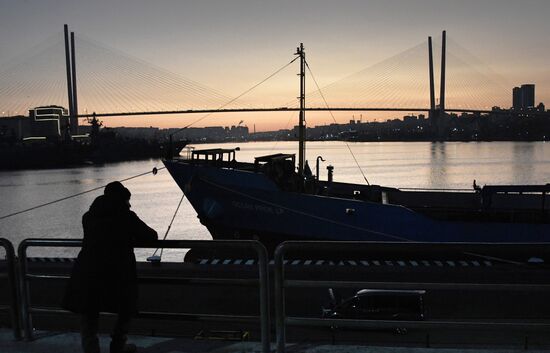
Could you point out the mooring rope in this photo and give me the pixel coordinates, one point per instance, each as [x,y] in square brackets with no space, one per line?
[168,229]
[237,97]
[153,171]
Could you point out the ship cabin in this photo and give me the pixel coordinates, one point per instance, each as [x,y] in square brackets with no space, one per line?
[214,154]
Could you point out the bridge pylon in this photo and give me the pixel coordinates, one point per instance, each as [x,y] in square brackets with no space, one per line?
[437,114]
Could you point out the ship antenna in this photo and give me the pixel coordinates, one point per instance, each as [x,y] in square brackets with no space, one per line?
[302,97]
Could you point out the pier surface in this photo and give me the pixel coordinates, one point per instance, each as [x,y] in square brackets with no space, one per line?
[198,316]
[48,341]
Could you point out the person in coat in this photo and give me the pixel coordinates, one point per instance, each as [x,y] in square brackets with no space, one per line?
[104,276]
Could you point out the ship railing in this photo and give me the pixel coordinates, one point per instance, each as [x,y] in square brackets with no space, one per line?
[449,190]
[507,253]
[262,281]
[10,276]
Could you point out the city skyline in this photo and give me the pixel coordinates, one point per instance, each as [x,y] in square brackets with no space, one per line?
[229,46]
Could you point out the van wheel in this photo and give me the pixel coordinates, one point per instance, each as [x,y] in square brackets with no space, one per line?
[401,331]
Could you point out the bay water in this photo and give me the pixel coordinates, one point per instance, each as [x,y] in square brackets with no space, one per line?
[155,197]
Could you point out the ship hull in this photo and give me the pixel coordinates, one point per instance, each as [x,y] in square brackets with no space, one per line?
[240,204]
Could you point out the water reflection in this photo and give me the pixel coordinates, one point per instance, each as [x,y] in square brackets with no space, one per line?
[155,198]
[438,165]
[523,162]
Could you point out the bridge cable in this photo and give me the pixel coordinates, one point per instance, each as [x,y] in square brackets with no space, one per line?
[333,118]
[239,96]
[154,171]
[138,71]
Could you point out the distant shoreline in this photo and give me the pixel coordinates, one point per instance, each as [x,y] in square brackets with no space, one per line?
[44,165]
[386,140]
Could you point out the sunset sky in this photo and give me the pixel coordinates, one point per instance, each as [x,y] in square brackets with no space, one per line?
[233,44]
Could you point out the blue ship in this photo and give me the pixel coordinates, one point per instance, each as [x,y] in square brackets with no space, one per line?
[273,200]
[269,201]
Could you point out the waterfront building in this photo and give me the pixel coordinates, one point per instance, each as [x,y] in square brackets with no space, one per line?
[516,98]
[527,96]
[51,122]
[523,98]
[14,128]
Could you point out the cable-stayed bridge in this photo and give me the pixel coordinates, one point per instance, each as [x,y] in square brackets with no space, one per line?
[111,83]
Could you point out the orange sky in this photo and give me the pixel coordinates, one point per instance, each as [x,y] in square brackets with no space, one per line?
[374,52]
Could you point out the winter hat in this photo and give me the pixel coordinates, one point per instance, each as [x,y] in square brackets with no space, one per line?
[116,190]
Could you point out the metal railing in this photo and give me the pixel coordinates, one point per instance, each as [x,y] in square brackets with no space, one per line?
[262,281]
[11,277]
[494,252]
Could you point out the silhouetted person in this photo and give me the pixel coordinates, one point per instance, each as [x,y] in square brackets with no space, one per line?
[104,275]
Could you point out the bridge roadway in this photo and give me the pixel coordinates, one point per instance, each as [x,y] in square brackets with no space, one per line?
[277,109]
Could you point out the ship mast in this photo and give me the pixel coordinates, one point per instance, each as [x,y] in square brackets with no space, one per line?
[302,97]
[69,79]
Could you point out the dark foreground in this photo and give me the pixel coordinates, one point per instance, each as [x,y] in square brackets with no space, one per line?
[196,331]
[62,342]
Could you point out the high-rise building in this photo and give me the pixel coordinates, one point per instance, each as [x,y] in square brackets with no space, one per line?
[528,96]
[523,97]
[516,98]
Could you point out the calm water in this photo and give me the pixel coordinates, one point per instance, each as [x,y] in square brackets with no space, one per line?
[155,198]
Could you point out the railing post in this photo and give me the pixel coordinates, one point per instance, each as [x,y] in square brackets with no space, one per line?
[26,319]
[475,250]
[13,287]
[280,298]
[263,275]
